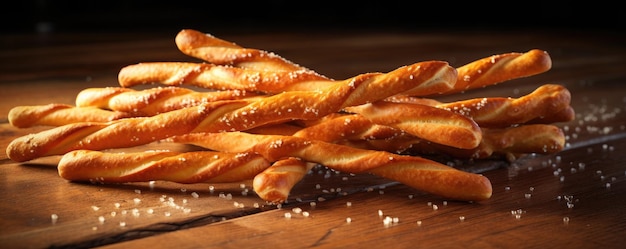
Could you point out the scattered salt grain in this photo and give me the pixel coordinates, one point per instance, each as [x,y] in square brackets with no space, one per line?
[54,218]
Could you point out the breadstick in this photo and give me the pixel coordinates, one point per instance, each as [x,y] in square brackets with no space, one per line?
[275,183]
[217,51]
[502,67]
[187,167]
[338,127]
[430,123]
[152,101]
[497,142]
[217,77]
[418,120]
[223,78]
[235,115]
[417,172]
[99,97]
[59,114]
[549,102]
[480,73]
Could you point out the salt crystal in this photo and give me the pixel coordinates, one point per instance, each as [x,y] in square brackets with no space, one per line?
[54,218]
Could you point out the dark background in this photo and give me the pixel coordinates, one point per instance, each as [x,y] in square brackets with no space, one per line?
[47,16]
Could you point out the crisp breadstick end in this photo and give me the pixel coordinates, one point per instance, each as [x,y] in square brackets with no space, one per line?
[445,182]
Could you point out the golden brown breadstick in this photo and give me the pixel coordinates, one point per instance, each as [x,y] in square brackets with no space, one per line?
[547,104]
[217,51]
[275,183]
[417,172]
[383,120]
[235,115]
[152,101]
[217,77]
[502,67]
[187,167]
[502,112]
[59,114]
[497,142]
[480,73]
[426,122]
[420,120]
[223,78]
[336,127]
[99,97]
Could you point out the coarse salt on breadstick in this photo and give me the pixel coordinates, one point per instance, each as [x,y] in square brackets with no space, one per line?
[509,143]
[218,77]
[230,115]
[430,123]
[501,67]
[217,51]
[479,73]
[59,114]
[417,172]
[271,82]
[549,102]
[502,112]
[180,167]
[152,101]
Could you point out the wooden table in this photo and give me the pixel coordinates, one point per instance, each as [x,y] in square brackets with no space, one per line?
[573,199]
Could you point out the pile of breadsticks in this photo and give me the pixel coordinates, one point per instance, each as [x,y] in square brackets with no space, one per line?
[266,119]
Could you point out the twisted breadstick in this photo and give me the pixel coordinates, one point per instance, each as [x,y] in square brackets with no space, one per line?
[235,115]
[275,183]
[507,142]
[483,72]
[217,77]
[187,167]
[501,112]
[217,51]
[152,101]
[419,120]
[430,123]
[502,67]
[549,102]
[336,127]
[59,114]
[420,173]
[358,131]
